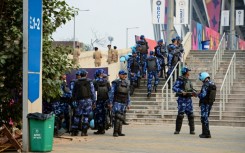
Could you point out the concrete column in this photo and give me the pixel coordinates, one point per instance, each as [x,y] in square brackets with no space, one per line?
[232,24]
[170,24]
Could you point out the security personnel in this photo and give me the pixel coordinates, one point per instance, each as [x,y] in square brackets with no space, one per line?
[184,90]
[207,97]
[152,67]
[102,86]
[72,83]
[161,54]
[84,94]
[180,48]
[143,47]
[134,67]
[119,101]
[65,103]
[173,59]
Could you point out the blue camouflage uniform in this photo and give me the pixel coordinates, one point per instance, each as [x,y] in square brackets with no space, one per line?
[171,63]
[102,86]
[84,94]
[185,105]
[119,98]
[152,67]
[134,67]
[205,106]
[143,50]
[160,54]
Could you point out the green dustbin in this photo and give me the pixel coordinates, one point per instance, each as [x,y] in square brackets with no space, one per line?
[41,131]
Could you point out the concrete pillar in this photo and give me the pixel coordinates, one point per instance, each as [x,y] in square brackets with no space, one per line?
[170,24]
[232,24]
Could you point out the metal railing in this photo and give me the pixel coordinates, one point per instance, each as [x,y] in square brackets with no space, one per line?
[228,81]
[218,55]
[173,76]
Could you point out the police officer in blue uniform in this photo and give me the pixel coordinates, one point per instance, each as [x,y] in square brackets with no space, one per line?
[161,54]
[119,101]
[72,83]
[152,67]
[102,86]
[184,90]
[207,97]
[84,94]
[143,47]
[134,67]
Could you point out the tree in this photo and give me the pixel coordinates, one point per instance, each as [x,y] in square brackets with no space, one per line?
[98,39]
[55,61]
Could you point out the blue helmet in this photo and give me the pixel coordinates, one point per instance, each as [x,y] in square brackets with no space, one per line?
[184,70]
[160,41]
[122,72]
[173,40]
[129,54]
[100,71]
[133,48]
[78,73]
[91,115]
[142,37]
[122,59]
[134,52]
[171,46]
[83,72]
[91,124]
[151,52]
[203,76]
[178,38]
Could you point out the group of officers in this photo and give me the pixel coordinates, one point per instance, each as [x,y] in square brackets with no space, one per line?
[154,65]
[97,104]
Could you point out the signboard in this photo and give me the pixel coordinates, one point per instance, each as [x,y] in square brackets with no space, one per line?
[182,11]
[34,48]
[225,18]
[239,17]
[158,11]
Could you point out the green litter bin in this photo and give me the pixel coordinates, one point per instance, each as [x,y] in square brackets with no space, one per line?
[41,132]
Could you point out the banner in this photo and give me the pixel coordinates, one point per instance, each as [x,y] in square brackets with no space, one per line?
[182,11]
[158,11]
[213,13]
[239,17]
[225,18]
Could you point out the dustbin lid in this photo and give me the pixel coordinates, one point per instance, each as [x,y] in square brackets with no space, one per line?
[39,116]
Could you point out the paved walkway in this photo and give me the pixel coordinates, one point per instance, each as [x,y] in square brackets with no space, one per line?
[157,139]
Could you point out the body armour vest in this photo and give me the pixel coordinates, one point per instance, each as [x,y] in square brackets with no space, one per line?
[102,90]
[175,58]
[144,47]
[121,94]
[134,65]
[152,64]
[211,93]
[83,89]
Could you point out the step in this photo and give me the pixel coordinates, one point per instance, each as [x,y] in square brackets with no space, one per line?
[185,121]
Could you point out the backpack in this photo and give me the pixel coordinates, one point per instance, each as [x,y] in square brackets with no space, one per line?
[211,94]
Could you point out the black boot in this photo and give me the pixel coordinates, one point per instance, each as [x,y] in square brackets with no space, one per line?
[84,132]
[149,95]
[116,128]
[206,132]
[100,131]
[191,124]
[120,129]
[179,121]
[155,88]
[74,132]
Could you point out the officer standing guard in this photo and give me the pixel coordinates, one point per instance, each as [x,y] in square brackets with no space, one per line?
[142,47]
[119,101]
[84,94]
[152,67]
[207,97]
[102,86]
[184,90]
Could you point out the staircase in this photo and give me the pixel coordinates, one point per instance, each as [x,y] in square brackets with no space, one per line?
[148,110]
